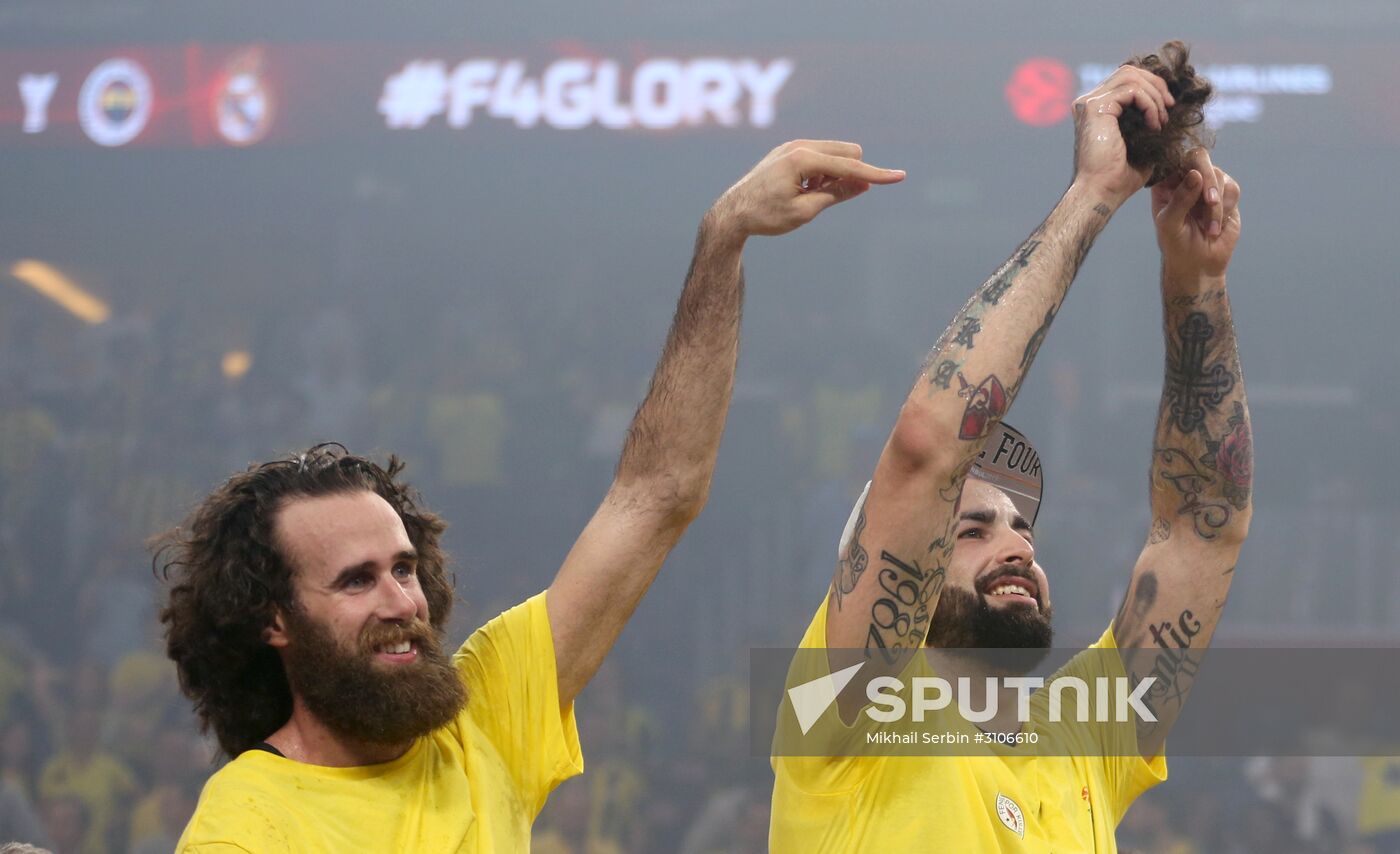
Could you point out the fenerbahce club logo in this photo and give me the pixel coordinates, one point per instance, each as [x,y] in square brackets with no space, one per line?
[115,102]
[1010,815]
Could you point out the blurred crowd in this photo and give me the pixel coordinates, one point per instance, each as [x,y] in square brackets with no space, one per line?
[108,434]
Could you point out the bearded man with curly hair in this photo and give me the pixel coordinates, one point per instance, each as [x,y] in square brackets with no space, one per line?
[308,598]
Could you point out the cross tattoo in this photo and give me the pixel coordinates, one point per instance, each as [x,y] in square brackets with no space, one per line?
[1191,385]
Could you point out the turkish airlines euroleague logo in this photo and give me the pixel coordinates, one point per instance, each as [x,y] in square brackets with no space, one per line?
[1040,91]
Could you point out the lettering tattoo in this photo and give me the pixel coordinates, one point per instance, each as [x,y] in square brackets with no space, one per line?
[1194,484]
[971,326]
[852,565]
[996,287]
[1192,387]
[1023,257]
[960,336]
[943,375]
[1102,209]
[899,619]
[1211,297]
[994,290]
[1173,662]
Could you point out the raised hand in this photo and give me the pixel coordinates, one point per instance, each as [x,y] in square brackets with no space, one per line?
[1100,156]
[795,182]
[1197,216]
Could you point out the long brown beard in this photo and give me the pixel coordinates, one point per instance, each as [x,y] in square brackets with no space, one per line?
[360,700]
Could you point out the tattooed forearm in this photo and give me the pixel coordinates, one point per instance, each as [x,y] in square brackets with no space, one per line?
[850,567]
[1194,483]
[1045,264]
[946,358]
[1193,387]
[1202,459]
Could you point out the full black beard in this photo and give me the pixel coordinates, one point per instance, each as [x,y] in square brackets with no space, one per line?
[361,701]
[964,621]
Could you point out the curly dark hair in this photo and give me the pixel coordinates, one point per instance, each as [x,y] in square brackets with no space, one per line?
[229,580]
[1165,150]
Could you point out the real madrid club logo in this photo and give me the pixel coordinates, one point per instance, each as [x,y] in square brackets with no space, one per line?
[243,105]
[115,102]
[1010,815]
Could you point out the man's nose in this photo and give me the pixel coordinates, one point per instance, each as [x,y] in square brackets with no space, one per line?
[395,603]
[1015,549]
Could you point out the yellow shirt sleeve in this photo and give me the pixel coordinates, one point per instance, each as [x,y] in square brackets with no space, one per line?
[513,699]
[1126,774]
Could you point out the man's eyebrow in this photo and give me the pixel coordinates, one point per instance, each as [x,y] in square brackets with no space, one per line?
[351,571]
[987,517]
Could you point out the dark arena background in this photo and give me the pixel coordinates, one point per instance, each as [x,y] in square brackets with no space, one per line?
[456,231]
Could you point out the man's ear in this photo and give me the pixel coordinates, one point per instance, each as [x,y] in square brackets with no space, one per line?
[275,635]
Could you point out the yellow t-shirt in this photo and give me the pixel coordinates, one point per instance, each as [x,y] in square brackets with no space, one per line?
[1006,801]
[473,785]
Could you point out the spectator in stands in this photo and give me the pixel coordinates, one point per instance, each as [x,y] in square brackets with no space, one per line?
[100,781]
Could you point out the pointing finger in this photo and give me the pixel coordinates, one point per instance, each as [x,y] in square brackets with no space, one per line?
[812,163]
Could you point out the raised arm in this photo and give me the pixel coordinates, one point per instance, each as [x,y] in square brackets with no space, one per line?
[1202,461]
[891,571]
[663,476]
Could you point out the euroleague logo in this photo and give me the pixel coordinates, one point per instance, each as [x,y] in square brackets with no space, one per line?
[1040,91]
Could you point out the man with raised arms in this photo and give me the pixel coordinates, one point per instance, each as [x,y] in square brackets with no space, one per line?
[309,594]
[939,556]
